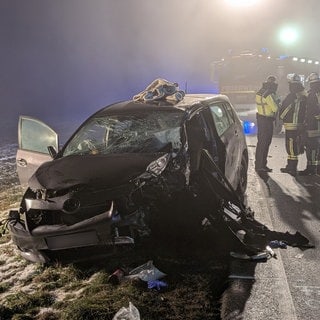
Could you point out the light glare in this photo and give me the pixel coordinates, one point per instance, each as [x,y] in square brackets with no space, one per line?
[241,3]
[288,35]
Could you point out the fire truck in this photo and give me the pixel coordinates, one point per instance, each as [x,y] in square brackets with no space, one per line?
[241,76]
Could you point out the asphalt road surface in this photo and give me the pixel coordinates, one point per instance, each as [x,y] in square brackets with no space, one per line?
[286,288]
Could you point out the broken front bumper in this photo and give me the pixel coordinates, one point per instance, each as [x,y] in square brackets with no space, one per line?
[96,231]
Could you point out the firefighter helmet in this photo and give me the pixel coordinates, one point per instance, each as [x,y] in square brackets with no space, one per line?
[313,78]
[293,78]
[271,79]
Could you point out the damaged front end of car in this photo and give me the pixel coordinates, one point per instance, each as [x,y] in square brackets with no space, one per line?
[67,216]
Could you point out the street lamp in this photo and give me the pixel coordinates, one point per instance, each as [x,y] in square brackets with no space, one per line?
[288,35]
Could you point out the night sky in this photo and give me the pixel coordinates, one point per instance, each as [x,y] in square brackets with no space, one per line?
[65,59]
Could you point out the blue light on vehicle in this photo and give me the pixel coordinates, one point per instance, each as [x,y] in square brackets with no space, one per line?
[249,127]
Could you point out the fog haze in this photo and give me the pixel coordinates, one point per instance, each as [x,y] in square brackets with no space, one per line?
[67,58]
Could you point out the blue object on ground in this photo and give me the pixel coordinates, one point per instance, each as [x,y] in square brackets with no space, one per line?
[277,244]
[157,284]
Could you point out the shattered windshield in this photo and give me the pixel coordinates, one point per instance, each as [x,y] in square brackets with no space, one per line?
[142,132]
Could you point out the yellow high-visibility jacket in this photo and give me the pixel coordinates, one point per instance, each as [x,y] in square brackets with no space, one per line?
[266,106]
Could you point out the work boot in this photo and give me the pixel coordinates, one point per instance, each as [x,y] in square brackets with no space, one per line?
[309,171]
[290,168]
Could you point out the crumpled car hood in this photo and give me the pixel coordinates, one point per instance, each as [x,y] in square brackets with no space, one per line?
[98,170]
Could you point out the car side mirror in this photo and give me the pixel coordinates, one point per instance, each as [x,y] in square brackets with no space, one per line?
[52,151]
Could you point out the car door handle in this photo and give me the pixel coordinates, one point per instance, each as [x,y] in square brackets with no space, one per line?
[22,162]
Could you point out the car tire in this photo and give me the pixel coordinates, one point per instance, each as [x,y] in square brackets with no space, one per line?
[243,177]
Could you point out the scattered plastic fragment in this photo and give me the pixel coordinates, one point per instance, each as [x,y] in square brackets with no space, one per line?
[277,244]
[238,255]
[237,276]
[241,234]
[157,284]
[130,313]
[259,256]
[117,276]
[146,272]
[271,252]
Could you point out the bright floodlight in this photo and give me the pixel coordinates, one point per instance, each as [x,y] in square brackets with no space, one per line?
[240,3]
[288,35]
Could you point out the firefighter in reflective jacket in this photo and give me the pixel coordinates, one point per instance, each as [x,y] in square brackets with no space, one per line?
[267,108]
[292,113]
[313,126]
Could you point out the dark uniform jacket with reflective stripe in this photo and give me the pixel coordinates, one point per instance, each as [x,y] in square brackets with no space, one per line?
[293,110]
[313,114]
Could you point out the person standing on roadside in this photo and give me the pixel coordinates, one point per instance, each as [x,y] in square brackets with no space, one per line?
[292,113]
[312,123]
[267,108]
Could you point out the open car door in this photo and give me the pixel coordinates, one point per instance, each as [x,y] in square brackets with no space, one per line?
[34,138]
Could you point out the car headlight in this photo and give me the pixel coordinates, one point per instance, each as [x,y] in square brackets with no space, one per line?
[156,167]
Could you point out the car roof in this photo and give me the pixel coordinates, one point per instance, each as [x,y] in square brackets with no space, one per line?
[190,102]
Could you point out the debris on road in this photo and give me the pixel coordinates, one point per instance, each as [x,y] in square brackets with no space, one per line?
[157,284]
[130,313]
[146,272]
[277,244]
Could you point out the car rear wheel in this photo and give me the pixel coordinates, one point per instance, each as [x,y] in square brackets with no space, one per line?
[243,176]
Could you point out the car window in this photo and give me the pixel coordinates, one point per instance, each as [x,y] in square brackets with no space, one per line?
[123,133]
[221,117]
[34,135]
[230,112]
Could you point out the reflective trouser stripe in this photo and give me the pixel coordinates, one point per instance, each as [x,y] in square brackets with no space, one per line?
[292,126]
[291,154]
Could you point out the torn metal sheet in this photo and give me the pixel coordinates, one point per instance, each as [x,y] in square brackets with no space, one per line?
[239,219]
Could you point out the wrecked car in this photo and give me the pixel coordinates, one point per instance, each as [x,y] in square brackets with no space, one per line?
[127,166]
